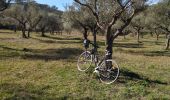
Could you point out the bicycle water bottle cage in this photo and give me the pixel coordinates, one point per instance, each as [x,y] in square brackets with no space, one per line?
[86,43]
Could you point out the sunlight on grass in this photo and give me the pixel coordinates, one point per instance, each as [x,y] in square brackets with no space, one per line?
[45,68]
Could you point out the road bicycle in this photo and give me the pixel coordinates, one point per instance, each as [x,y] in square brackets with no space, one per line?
[106,74]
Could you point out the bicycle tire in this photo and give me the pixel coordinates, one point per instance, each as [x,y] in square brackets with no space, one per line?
[84,61]
[108,76]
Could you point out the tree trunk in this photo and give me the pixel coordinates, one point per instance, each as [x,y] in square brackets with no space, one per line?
[85,33]
[23,33]
[94,36]
[28,33]
[109,49]
[157,37]
[15,30]
[168,43]
[109,45]
[138,37]
[43,34]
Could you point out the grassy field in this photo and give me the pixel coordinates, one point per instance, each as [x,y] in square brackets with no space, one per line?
[45,69]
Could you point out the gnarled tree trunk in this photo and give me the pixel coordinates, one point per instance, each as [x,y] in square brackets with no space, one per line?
[43,34]
[109,43]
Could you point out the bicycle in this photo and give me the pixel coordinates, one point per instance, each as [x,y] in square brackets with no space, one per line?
[106,75]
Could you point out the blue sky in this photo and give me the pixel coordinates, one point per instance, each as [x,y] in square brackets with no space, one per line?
[58,3]
[62,3]
[153,1]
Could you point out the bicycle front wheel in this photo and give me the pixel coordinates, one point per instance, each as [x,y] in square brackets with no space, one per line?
[108,75]
[84,61]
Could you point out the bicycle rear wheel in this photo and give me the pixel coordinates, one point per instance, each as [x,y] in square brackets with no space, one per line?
[110,75]
[84,61]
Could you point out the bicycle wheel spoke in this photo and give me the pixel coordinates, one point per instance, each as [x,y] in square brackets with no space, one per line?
[84,61]
[109,75]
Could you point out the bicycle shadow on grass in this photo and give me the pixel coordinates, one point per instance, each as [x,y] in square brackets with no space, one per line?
[127,75]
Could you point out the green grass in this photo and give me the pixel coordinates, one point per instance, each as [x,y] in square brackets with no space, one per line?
[45,69]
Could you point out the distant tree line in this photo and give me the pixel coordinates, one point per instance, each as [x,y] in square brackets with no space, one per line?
[28,16]
[111,18]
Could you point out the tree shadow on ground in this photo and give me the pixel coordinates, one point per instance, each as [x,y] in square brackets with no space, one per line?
[6,32]
[9,48]
[52,54]
[7,38]
[146,53]
[59,38]
[44,41]
[127,75]
[158,53]
[60,42]
[123,45]
[70,42]
[128,45]
[8,52]
[42,54]
[72,98]
[156,42]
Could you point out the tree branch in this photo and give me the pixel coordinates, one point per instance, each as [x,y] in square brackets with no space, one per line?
[165,28]
[94,12]
[5,4]
[117,15]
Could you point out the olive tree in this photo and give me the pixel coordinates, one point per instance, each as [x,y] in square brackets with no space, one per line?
[27,14]
[138,24]
[33,17]
[161,15]
[71,19]
[18,12]
[81,19]
[4,4]
[108,12]
[54,23]
[43,24]
[151,22]
[50,22]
